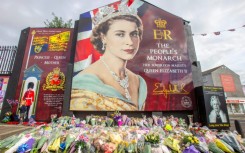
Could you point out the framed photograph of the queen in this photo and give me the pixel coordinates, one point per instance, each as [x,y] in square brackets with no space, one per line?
[215,105]
[131,58]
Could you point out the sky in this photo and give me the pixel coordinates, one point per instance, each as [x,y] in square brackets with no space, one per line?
[206,17]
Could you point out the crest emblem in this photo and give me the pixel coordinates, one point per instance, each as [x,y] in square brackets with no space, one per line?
[55,80]
[186,102]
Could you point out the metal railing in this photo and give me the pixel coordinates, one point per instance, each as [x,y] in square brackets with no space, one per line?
[7,58]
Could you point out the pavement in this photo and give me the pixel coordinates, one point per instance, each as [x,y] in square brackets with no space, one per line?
[7,130]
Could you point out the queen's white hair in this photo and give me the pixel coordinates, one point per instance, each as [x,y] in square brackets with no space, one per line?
[214,99]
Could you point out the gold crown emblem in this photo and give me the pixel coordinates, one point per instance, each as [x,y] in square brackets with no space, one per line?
[108,12]
[56,70]
[160,23]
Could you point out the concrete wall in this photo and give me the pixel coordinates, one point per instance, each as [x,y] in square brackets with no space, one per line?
[208,80]
[196,67]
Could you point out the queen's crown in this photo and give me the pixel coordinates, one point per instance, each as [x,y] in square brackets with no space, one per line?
[108,12]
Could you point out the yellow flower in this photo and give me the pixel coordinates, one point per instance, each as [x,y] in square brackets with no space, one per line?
[134,141]
[55,145]
[115,138]
[47,128]
[196,140]
[168,127]
[126,144]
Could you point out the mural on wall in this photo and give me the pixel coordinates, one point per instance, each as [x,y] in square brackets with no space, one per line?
[131,58]
[3,87]
[30,88]
[41,84]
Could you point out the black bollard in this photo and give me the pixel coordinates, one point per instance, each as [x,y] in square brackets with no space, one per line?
[239,128]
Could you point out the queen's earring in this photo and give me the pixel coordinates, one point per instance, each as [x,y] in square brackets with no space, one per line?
[103,46]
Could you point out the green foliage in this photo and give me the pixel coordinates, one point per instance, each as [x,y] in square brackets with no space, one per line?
[58,22]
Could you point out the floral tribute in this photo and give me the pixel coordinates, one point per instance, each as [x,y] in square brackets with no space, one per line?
[152,138]
[7,117]
[119,133]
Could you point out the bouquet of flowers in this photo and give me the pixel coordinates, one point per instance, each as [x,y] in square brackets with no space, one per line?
[173,121]
[152,138]
[115,138]
[7,141]
[168,127]
[152,141]
[52,142]
[117,118]
[17,139]
[109,147]
[22,140]
[198,131]
[126,146]
[131,146]
[98,143]
[55,145]
[109,121]
[103,121]
[190,143]
[64,121]
[7,117]
[124,119]
[191,149]
[202,146]
[121,147]
[155,118]
[190,139]
[26,146]
[172,143]
[39,144]
[54,118]
[68,141]
[210,136]
[130,139]
[214,148]
[83,145]
[93,121]
[182,123]
[88,117]
[231,140]
[149,122]
[223,146]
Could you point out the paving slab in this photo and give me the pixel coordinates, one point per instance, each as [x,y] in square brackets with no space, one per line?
[9,130]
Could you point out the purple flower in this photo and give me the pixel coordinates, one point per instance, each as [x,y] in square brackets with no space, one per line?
[127,120]
[191,149]
[116,118]
[160,122]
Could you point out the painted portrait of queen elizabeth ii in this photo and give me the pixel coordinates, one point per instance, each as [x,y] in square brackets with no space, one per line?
[108,84]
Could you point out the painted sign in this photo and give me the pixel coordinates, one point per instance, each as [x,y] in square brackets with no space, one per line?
[41,83]
[228,83]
